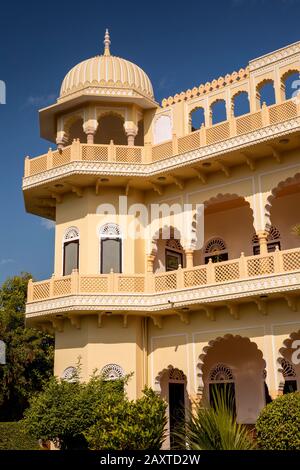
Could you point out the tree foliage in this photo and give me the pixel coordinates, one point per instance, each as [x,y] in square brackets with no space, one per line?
[129,425]
[278,425]
[29,352]
[65,410]
[96,414]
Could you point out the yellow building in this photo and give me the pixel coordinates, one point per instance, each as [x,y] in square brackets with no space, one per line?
[183,317]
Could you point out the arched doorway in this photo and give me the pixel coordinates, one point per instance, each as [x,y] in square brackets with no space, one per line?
[172,384]
[235,360]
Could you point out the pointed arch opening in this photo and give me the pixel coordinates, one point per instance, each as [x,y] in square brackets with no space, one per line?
[240,104]
[218,111]
[196,118]
[110,127]
[266,92]
[290,83]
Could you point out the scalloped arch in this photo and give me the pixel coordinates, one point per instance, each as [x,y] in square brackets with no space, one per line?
[173,373]
[227,337]
[282,184]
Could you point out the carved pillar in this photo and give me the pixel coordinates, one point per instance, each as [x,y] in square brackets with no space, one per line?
[62,139]
[90,135]
[131,134]
[189,257]
[262,240]
[89,129]
[150,263]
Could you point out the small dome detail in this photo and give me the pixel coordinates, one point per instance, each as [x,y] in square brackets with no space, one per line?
[106,71]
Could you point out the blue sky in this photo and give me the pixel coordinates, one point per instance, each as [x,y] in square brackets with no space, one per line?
[179,44]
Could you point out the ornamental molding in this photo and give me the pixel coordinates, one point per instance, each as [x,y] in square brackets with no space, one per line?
[231,290]
[283,54]
[153,169]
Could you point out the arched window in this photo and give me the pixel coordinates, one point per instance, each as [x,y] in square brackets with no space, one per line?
[290,83]
[289,376]
[110,249]
[241,104]
[70,374]
[273,241]
[221,381]
[174,254]
[266,92]
[216,250]
[112,372]
[218,111]
[70,250]
[196,119]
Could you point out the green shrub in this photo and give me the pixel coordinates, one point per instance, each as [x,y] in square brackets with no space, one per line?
[278,425]
[12,437]
[130,425]
[65,410]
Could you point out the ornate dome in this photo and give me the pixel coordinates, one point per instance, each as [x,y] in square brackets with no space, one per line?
[107,71]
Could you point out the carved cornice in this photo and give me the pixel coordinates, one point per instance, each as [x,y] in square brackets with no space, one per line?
[153,169]
[277,56]
[210,295]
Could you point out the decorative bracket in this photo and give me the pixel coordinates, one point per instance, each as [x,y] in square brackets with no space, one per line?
[276,154]
[233,310]
[78,191]
[200,175]
[157,320]
[58,324]
[224,168]
[184,316]
[210,312]
[292,302]
[58,197]
[250,162]
[261,305]
[178,182]
[157,188]
[75,321]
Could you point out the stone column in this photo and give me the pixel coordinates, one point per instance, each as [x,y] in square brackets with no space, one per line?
[131,134]
[62,139]
[189,258]
[90,135]
[262,239]
[90,128]
[150,263]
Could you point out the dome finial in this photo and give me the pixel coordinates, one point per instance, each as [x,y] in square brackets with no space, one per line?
[106,43]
